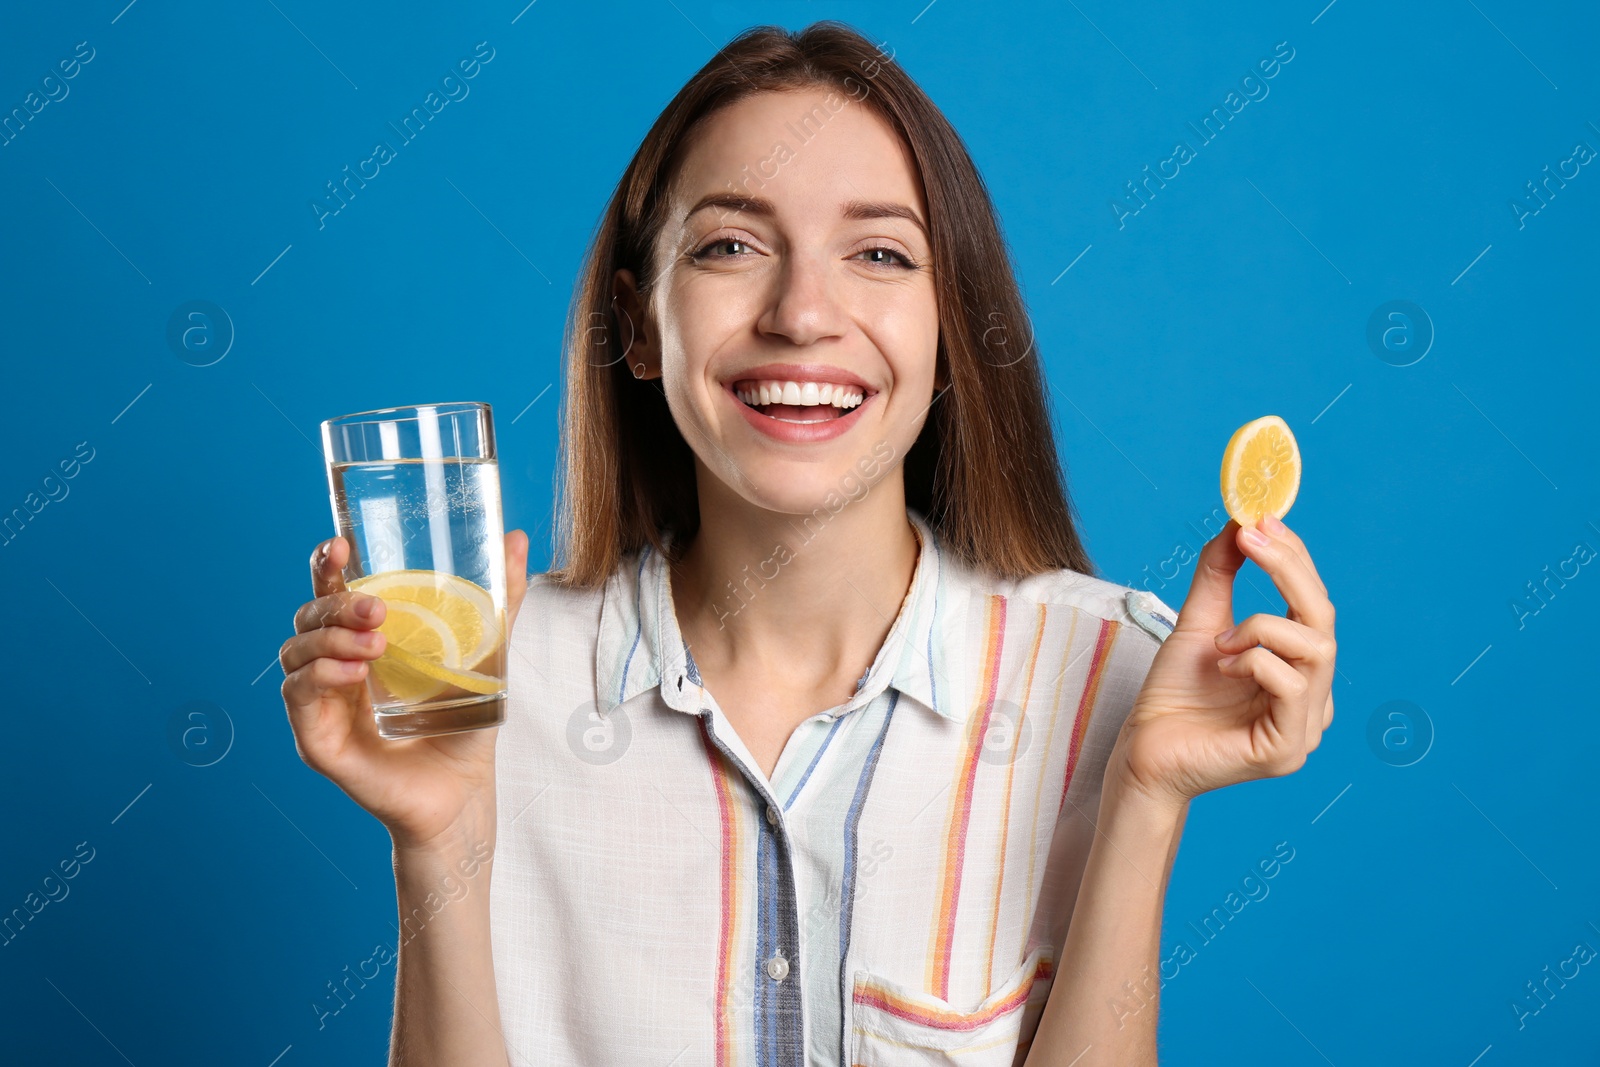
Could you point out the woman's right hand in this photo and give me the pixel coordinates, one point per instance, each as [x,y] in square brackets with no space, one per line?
[425,790]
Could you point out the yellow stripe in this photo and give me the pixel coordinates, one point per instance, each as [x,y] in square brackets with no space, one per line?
[939,947]
[1005,810]
[1046,765]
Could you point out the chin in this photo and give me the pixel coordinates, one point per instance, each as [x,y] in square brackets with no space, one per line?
[815,486]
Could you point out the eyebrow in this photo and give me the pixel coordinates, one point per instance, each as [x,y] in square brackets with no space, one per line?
[853,209]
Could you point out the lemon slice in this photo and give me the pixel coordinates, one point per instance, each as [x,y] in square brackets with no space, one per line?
[465,606]
[402,683]
[438,625]
[416,666]
[1260,470]
[421,631]
[423,636]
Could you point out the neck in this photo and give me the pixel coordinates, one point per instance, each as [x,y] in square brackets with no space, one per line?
[808,599]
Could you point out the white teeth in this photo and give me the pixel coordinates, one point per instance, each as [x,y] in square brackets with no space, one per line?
[800,394]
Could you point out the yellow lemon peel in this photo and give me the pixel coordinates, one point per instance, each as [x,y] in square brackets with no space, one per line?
[1260,470]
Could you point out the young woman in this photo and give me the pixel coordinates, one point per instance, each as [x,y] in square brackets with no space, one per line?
[823,744]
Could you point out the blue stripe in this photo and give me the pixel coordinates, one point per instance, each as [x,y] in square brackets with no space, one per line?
[779,1007]
[848,895]
[766,911]
[638,609]
[688,661]
[801,784]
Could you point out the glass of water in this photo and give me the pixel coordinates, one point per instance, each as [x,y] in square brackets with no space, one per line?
[416,494]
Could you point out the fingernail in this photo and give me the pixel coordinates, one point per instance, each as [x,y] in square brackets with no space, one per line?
[1225,660]
[1272,524]
[1226,635]
[1255,538]
[365,607]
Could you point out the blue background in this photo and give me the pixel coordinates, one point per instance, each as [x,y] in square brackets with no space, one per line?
[1380,167]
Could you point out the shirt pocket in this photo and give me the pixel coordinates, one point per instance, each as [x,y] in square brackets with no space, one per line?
[896,1026]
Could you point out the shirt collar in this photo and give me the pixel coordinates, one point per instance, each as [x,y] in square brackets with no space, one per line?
[640,645]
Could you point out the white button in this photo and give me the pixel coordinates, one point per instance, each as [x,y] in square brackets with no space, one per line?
[777,968]
[772,815]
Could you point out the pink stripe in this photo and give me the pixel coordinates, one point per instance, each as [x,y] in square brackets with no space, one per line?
[878,997]
[956,850]
[1091,692]
[725,941]
[1005,810]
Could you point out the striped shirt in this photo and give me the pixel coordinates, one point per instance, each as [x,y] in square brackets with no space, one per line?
[896,893]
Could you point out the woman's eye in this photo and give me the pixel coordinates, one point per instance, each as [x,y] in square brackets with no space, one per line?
[705,250]
[903,260]
[879,256]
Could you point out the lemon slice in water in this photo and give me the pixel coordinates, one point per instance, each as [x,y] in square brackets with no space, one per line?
[438,626]
[413,666]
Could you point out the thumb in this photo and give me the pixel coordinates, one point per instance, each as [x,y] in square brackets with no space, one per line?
[516,574]
[1209,605]
[327,566]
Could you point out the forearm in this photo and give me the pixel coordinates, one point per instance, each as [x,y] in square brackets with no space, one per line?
[447,1009]
[1103,1002]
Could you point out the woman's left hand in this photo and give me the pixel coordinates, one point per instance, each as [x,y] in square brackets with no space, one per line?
[1222,703]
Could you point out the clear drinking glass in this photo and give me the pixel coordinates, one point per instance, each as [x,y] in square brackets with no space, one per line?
[416,493]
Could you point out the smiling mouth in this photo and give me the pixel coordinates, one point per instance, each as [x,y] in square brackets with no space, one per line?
[799,402]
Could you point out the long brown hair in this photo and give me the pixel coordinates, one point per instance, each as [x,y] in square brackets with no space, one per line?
[984,470]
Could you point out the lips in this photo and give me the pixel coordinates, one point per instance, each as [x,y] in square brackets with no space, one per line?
[798,413]
[773,391]
[798,423]
[799,402]
[794,401]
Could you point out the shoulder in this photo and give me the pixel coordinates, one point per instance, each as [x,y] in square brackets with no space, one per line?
[1138,609]
[560,602]
[569,617]
[557,621]
[546,591]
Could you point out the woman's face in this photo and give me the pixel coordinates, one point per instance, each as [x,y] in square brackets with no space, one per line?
[795,262]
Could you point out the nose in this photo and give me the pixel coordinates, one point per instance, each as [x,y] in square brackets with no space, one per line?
[804,306]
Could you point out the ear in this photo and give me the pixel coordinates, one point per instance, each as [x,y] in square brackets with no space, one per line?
[637,343]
